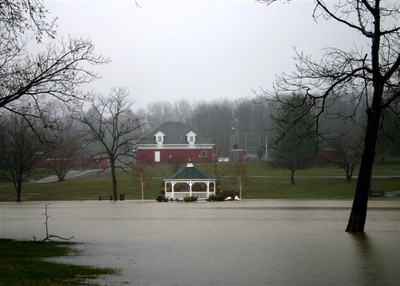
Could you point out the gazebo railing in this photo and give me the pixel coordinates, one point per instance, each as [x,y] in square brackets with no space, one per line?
[181,195]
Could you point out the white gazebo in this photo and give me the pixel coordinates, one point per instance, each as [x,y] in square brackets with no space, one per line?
[189,182]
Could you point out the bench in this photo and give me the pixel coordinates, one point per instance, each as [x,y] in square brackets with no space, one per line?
[121,197]
[105,197]
[377,193]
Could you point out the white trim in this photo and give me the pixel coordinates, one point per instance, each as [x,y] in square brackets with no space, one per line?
[180,195]
[176,146]
[189,180]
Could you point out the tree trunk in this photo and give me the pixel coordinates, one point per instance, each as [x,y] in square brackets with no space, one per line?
[292,177]
[19,188]
[358,213]
[348,172]
[114,180]
[360,204]
[348,176]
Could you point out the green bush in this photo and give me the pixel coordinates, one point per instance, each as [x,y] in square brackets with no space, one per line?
[190,199]
[215,198]
[161,198]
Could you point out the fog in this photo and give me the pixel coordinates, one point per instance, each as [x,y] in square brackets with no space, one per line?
[197,49]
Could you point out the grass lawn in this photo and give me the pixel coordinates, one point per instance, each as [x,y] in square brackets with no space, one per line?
[24,263]
[264,183]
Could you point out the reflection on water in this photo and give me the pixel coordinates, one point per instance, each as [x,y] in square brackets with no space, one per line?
[369,267]
[378,262]
[231,243]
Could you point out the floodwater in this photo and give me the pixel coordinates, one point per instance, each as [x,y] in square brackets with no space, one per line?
[261,242]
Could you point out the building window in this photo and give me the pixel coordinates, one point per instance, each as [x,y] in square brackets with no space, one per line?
[157,156]
[159,139]
[203,154]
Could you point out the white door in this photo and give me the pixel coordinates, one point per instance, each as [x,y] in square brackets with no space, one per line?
[156,156]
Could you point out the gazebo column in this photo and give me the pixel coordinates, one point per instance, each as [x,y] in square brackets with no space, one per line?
[173,189]
[190,188]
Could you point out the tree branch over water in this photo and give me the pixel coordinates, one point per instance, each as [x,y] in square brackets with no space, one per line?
[49,236]
[371,78]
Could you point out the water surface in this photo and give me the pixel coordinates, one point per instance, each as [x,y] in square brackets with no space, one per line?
[260,242]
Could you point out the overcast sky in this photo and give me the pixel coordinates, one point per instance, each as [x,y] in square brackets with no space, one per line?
[195,49]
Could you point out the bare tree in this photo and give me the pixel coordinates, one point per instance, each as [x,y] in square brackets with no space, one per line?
[219,169]
[296,142]
[19,150]
[345,157]
[374,77]
[142,176]
[26,15]
[160,112]
[49,236]
[111,124]
[342,129]
[163,111]
[183,110]
[240,176]
[346,151]
[388,145]
[57,71]
[65,149]
[251,116]
[214,120]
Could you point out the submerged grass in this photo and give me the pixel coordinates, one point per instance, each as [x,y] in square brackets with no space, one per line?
[24,263]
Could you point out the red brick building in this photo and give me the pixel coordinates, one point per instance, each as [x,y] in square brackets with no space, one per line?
[174,142]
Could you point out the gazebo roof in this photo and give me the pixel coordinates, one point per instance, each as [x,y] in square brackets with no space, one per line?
[189,173]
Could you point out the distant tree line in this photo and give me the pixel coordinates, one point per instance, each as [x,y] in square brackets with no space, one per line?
[110,128]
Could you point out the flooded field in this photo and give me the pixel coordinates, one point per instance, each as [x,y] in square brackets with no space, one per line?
[266,242]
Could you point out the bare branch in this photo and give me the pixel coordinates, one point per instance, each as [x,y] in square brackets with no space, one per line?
[111,125]
[373,77]
[49,236]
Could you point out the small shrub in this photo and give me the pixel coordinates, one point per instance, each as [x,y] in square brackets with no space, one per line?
[190,199]
[215,198]
[161,198]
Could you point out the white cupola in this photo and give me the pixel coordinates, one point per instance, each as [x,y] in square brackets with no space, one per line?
[191,138]
[159,137]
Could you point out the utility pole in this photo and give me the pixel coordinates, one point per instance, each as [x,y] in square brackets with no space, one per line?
[266,145]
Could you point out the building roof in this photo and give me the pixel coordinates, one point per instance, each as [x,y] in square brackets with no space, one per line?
[189,173]
[175,133]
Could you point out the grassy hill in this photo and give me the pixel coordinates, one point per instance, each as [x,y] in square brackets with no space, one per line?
[264,183]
